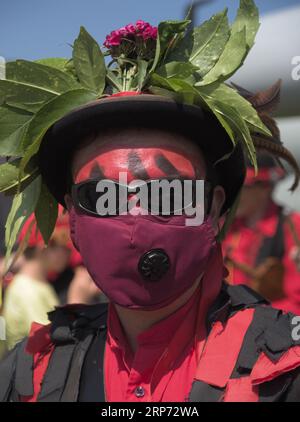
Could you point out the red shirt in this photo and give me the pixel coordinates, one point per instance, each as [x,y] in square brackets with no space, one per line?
[164,365]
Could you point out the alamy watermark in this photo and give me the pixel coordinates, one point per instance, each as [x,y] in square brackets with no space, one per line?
[2,329]
[2,68]
[296,68]
[156,197]
[296,329]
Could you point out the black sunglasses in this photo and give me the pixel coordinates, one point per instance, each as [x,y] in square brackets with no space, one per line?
[86,195]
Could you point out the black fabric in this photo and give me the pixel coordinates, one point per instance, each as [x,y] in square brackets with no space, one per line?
[273,246]
[65,136]
[7,374]
[24,371]
[205,393]
[56,374]
[71,389]
[92,376]
[292,392]
[276,390]
[72,331]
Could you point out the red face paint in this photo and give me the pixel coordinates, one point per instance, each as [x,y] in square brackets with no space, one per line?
[142,163]
[143,261]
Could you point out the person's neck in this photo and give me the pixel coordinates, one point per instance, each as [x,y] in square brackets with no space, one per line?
[34,269]
[135,322]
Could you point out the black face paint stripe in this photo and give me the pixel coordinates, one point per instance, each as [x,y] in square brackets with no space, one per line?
[136,167]
[96,172]
[166,166]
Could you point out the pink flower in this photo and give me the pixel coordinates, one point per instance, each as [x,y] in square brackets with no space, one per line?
[130,29]
[142,25]
[131,33]
[114,39]
[150,33]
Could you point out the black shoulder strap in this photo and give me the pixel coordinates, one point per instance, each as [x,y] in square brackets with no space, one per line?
[7,375]
[92,375]
[73,332]
[273,246]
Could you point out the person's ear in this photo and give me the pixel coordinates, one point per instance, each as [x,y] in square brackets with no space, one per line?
[68,201]
[216,207]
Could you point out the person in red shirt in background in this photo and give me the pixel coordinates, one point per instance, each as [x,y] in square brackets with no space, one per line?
[262,247]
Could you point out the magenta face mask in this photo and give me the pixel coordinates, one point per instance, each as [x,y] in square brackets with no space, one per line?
[143,261]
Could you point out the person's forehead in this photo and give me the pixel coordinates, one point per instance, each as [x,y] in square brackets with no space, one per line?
[158,152]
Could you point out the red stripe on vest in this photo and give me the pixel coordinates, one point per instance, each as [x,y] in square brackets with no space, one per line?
[265,370]
[222,349]
[241,390]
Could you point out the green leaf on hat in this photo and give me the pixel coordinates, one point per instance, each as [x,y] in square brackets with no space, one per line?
[168,33]
[113,79]
[204,45]
[176,70]
[23,206]
[238,125]
[142,73]
[46,213]
[48,115]
[24,96]
[40,76]
[248,17]
[230,96]
[56,62]
[230,61]
[9,176]
[89,62]
[14,123]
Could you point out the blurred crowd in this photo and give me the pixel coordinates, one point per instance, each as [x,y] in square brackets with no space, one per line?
[40,279]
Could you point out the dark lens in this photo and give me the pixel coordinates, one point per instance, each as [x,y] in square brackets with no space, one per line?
[88,196]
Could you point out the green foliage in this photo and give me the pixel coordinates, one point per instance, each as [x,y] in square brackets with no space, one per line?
[186,65]
[46,213]
[23,206]
[203,45]
[89,62]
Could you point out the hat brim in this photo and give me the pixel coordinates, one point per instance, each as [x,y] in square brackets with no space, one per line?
[65,136]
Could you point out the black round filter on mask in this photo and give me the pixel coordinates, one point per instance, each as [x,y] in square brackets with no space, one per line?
[154,264]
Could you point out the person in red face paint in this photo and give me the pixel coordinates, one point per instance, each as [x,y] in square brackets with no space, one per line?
[163,332]
[262,246]
[173,330]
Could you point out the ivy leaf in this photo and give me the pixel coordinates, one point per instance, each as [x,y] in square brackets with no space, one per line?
[226,94]
[89,62]
[248,17]
[168,31]
[40,76]
[23,206]
[9,176]
[204,45]
[24,96]
[14,123]
[231,59]
[48,115]
[176,70]
[46,213]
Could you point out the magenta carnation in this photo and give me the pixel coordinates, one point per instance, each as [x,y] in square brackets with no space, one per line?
[141,29]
